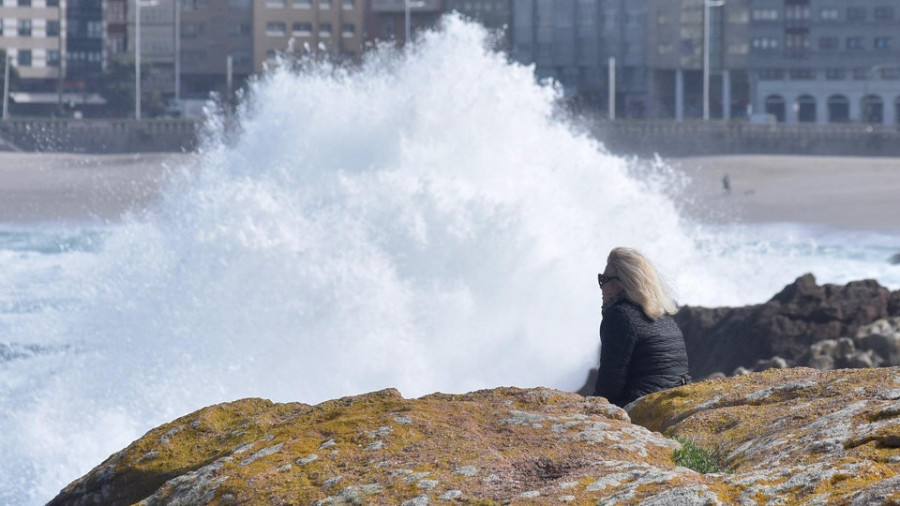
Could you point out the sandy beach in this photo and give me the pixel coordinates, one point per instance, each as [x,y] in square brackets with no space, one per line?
[842,192]
[43,187]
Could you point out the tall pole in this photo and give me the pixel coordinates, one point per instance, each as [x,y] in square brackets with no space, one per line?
[60,63]
[177,51]
[612,88]
[229,78]
[707,5]
[6,86]
[137,59]
[408,22]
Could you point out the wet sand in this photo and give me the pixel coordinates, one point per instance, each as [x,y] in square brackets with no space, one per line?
[840,192]
[49,187]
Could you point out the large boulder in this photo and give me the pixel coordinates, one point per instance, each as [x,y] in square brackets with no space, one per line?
[814,437]
[817,437]
[802,314]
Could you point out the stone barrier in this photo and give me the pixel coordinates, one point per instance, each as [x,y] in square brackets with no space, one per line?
[99,136]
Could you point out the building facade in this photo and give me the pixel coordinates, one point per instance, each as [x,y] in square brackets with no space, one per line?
[386,19]
[211,31]
[826,61]
[33,34]
[335,27]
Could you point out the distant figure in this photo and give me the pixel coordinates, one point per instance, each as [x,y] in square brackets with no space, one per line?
[642,349]
[726,184]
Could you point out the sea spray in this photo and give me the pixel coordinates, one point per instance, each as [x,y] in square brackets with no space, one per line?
[425,222]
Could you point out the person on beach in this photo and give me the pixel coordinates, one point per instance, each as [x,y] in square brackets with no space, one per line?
[642,349]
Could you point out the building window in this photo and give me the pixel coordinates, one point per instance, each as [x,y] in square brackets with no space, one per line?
[271,55]
[53,29]
[52,3]
[24,28]
[325,30]
[348,30]
[348,5]
[797,41]
[771,74]
[303,4]
[276,29]
[24,3]
[802,74]
[764,43]
[855,43]
[324,4]
[241,58]
[52,58]
[829,14]
[828,43]
[860,74]
[764,15]
[882,43]
[24,58]
[884,13]
[95,29]
[302,29]
[240,4]
[275,4]
[856,14]
[238,29]
[192,30]
[835,74]
[794,12]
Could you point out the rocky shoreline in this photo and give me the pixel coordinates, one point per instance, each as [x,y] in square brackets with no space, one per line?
[827,434]
[825,327]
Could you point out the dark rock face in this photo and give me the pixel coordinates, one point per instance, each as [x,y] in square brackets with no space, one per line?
[787,327]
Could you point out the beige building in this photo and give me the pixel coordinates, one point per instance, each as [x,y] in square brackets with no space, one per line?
[32,32]
[333,26]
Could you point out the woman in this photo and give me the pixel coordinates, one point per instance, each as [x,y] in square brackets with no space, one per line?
[641,347]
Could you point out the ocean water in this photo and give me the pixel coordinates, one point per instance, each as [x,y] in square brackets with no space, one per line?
[428,222]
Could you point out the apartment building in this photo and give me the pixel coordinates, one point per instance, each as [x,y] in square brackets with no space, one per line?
[826,61]
[386,19]
[334,27]
[676,35]
[32,33]
[211,31]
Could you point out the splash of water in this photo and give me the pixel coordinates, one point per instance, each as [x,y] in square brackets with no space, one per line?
[422,222]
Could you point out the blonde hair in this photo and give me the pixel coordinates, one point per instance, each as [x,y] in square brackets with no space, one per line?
[640,281]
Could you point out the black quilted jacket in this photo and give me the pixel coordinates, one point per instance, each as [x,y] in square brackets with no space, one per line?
[638,355]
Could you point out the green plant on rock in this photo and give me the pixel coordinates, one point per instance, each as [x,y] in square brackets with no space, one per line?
[693,457]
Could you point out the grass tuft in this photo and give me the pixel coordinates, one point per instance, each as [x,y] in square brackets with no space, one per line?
[695,458]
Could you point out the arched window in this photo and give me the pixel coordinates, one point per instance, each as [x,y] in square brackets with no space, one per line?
[872,109]
[806,109]
[838,109]
[775,107]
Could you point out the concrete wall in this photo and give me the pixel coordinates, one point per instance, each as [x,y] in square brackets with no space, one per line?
[99,136]
[693,138]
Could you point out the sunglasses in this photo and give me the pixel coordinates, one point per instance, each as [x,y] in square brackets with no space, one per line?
[603,278]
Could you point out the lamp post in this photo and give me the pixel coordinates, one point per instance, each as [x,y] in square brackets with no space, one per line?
[707,5]
[6,85]
[408,19]
[137,59]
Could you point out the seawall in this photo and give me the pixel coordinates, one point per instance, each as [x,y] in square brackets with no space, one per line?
[624,137]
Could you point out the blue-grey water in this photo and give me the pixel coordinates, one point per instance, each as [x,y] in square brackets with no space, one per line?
[425,223]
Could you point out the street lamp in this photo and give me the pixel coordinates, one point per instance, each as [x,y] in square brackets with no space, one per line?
[707,5]
[6,84]
[407,5]
[137,53]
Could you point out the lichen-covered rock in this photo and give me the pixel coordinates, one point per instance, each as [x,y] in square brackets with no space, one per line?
[801,434]
[818,437]
[505,444]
